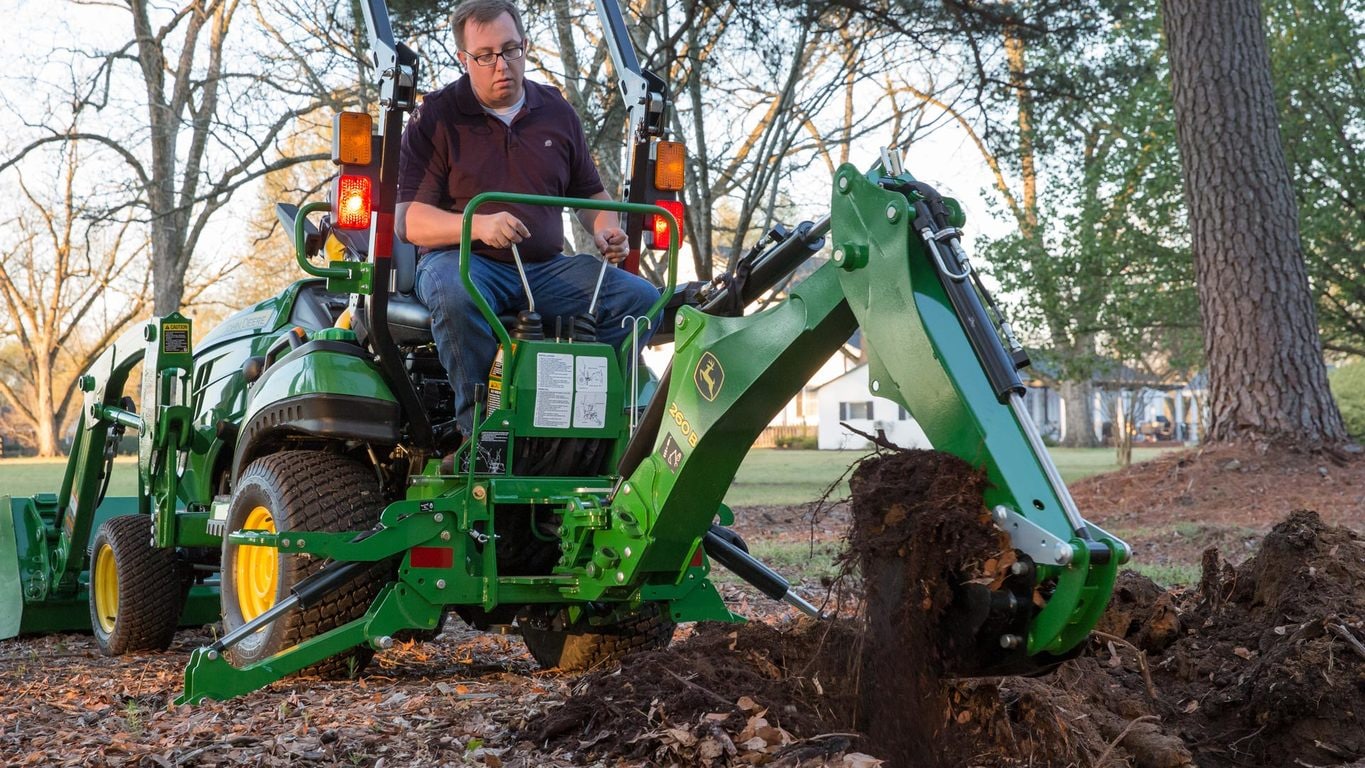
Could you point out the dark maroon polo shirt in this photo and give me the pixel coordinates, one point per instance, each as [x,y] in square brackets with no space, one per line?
[453,150]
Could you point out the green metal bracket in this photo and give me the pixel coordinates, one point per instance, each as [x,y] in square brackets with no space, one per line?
[209,675]
[342,276]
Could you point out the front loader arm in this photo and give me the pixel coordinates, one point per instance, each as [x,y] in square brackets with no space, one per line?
[730,376]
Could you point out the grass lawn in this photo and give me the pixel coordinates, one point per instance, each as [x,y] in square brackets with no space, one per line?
[26,477]
[767,476]
[772,476]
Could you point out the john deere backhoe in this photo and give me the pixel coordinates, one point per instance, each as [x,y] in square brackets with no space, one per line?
[290,465]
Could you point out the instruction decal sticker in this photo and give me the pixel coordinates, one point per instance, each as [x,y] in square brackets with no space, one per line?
[671,453]
[709,376]
[175,338]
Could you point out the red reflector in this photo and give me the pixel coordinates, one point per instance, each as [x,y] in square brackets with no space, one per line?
[431,557]
[353,202]
[696,559]
[661,235]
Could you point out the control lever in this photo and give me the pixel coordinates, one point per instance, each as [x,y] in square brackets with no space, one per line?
[525,284]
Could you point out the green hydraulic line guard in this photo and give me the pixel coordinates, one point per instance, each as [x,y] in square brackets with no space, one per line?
[930,368]
[11,591]
[504,339]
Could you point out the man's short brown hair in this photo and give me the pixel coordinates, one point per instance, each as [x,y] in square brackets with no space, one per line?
[483,11]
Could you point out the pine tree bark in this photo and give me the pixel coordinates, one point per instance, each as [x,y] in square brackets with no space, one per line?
[1267,380]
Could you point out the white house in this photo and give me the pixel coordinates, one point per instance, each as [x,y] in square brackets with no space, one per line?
[847,399]
[1158,414]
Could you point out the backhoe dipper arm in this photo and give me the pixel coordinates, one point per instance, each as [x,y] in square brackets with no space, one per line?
[731,374]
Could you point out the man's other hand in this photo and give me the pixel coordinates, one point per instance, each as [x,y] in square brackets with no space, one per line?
[499,230]
[611,243]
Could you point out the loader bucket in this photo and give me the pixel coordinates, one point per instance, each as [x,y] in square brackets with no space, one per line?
[29,602]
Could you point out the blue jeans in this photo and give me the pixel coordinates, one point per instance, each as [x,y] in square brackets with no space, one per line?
[561,286]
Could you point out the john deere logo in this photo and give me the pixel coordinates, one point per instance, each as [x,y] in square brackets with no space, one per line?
[709,376]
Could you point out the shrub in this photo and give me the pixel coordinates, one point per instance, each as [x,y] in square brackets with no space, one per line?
[797,442]
[1348,387]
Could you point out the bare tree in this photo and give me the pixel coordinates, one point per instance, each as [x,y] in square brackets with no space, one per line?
[194,108]
[69,283]
[752,109]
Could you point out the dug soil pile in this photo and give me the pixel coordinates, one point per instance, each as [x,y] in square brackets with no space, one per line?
[1261,665]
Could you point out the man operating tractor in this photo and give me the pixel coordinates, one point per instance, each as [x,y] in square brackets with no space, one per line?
[492,130]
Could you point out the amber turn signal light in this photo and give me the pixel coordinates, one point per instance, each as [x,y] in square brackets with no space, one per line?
[351,138]
[668,165]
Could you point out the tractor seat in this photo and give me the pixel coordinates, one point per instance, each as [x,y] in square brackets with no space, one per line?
[409,319]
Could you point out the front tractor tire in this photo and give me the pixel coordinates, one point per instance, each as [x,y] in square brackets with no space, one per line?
[596,638]
[135,588]
[297,491]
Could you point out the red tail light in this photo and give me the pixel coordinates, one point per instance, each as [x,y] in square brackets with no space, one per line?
[660,224]
[353,202]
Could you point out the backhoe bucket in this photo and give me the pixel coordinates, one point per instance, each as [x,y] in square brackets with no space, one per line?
[29,602]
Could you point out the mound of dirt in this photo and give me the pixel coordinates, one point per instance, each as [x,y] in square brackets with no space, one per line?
[1263,664]
[1272,661]
[1248,487]
[730,694]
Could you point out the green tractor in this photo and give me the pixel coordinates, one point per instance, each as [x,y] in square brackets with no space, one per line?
[291,470]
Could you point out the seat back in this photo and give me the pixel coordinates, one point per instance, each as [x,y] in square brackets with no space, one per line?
[409,319]
[404,266]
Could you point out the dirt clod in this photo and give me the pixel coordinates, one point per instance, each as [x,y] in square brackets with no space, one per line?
[919,529]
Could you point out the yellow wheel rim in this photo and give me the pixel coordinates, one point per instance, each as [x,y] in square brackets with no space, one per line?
[255,570]
[105,587]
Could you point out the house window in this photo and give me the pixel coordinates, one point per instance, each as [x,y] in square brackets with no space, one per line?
[902,414]
[861,410]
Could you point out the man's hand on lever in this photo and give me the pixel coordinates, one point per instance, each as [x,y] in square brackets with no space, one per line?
[499,230]
[611,243]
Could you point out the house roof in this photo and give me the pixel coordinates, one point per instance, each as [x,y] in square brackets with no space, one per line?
[855,371]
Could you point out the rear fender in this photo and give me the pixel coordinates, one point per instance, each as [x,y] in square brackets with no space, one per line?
[323,389]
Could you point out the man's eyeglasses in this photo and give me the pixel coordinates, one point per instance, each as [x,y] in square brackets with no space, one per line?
[508,54]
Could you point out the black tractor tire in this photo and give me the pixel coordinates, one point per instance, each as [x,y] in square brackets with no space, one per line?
[144,582]
[583,645]
[299,491]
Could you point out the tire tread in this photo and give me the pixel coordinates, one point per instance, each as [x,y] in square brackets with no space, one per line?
[149,589]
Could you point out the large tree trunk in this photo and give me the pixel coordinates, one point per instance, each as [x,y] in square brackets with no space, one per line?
[46,421]
[1078,398]
[1267,380]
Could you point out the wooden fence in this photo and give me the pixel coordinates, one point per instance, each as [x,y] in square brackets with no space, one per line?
[771,436]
